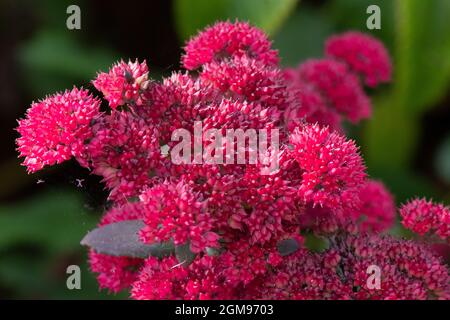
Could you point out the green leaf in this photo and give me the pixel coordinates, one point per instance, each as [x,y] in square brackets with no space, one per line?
[352,15]
[122,239]
[192,16]
[390,136]
[39,238]
[302,36]
[53,60]
[43,276]
[423,48]
[56,220]
[404,183]
[316,243]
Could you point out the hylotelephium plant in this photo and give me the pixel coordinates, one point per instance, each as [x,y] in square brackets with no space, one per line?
[228,231]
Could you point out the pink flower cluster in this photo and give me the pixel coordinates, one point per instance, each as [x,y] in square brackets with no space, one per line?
[175,212]
[224,40]
[332,169]
[56,128]
[409,271]
[243,230]
[363,54]
[422,217]
[330,88]
[124,83]
[377,210]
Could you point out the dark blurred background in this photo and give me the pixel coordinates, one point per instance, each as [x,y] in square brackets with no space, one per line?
[44,216]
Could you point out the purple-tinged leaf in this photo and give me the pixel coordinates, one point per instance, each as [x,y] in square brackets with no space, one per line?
[122,239]
[287,246]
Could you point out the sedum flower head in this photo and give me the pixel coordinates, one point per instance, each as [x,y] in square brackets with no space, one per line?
[56,128]
[227,39]
[174,212]
[332,169]
[123,83]
[423,216]
[363,54]
[377,210]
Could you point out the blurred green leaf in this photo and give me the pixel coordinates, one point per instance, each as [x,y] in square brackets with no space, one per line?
[352,14]
[421,78]
[390,135]
[39,239]
[399,231]
[302,36]
[404,184]
[422,53]
[53,13]
[56,220]
[44,276]
[53,60]
[316,243]
[191,16]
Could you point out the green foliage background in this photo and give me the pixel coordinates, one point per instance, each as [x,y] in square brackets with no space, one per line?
[40,233]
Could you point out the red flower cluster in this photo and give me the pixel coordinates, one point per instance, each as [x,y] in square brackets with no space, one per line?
[236,231]
[377,210]
[224,40]
[363,54]
[422,216]
[330,87]
[124,83]
[175,212]
[124,151]
[408,271]
[56,128]
[333,170]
